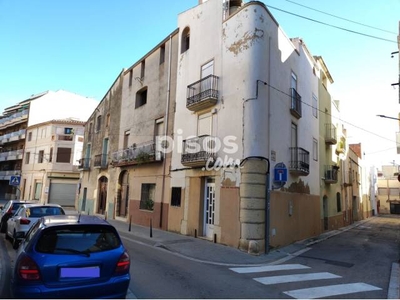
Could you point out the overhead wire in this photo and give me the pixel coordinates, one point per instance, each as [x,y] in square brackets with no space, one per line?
[330,115]
[341,18]
[330,25]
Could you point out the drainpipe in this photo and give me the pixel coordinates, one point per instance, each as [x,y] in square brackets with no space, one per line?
[166,127]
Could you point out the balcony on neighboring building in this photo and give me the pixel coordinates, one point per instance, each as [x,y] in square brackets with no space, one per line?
[11,155]
[341,147]
[198,151]
[84,164]
[299,163]
[14,118]
[6,175]
[100,161]
[136,155]
[202,94]
[331,174]
[295,105]
[330,134]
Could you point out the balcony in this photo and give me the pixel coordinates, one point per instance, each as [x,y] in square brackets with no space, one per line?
[14,118]
[202,94]
[295,106]
[100,161]
[11,155]
[330,134]
[300,161]
[198,151]
[341,147]
[84,164]
[331,174]
[136,155]
[6,175]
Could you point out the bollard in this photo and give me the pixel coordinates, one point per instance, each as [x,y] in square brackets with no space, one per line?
[195,233]
[151,228]
[130,223]
[215,238]
[88,212]
[105,215]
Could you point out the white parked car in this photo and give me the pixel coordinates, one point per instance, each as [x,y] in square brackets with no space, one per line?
[25,217]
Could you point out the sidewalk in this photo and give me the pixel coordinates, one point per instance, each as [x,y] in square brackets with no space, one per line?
[206,251]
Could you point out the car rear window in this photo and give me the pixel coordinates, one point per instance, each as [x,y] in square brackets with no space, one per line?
[76,239]
[41,211]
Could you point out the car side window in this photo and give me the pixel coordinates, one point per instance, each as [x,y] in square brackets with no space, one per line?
[5,208]
[18,211]
[32,231]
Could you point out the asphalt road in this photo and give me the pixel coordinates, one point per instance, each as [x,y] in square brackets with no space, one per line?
[355,264]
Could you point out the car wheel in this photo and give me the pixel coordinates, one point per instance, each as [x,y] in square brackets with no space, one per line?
[15,242]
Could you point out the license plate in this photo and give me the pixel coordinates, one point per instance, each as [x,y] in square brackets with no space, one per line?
[87,272]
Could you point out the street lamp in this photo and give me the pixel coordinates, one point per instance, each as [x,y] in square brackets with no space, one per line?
[383,116]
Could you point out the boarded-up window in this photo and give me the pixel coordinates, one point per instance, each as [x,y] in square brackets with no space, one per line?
[63,155]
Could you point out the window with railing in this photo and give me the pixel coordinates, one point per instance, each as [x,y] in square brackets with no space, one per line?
[295,106]
[205,88]
[299,160]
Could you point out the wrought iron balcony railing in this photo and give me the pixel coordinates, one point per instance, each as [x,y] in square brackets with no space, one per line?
[330,134]
[202,94]
[299,163]
[137,154]
[197,151]
[331,174]
[295,107]
[100,161]
[84,164]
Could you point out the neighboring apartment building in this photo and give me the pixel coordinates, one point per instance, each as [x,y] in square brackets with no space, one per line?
[332,151]
[388,197]
[37,109]
[13,125]
[98,177]
[358,204]
[50,168]
[133,182]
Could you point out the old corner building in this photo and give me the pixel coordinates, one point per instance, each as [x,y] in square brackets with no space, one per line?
[225,130]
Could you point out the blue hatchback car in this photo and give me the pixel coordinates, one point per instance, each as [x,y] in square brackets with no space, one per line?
[71,256]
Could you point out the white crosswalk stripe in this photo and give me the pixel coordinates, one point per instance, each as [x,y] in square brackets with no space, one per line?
[331,290]
[270,268]
[307,293]
[295,278]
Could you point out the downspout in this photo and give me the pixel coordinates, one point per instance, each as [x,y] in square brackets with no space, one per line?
[166,128]
[268,190]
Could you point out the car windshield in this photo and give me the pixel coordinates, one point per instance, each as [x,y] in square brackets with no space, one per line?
[83,239]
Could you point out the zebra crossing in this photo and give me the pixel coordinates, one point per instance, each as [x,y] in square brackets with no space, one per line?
[306,293]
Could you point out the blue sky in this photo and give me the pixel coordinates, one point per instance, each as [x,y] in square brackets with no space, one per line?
[81,46]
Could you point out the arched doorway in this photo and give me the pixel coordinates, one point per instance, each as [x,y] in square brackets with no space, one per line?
[123,195]
[102,196]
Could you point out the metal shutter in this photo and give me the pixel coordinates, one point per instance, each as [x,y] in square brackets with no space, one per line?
[63,194]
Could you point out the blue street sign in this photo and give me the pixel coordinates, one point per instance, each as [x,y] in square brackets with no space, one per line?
[280,173]
[15,180]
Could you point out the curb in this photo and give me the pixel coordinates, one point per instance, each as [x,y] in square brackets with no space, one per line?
[394,288]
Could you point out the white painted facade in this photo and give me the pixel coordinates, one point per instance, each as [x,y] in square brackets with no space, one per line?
[56,105]
[254,61]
